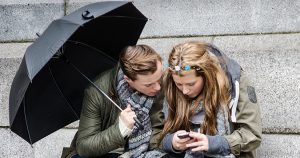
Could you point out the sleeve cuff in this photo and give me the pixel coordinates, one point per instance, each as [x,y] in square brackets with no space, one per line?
[125,131]
[218,145]
[167,144]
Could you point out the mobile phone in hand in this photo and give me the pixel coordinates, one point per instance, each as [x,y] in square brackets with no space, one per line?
[183,135]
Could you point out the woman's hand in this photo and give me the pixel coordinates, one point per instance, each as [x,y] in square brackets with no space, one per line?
[200,142]
[180,144]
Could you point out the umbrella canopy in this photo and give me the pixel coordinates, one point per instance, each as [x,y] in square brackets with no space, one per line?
[47,91]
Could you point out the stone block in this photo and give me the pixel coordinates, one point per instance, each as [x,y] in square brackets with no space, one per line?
[21,20]
[277,145]
[273,64]
[10,59]
[198,17]
[13,146]
[163,46]
[52,145]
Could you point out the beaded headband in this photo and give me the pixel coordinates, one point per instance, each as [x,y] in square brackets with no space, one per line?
[178,68]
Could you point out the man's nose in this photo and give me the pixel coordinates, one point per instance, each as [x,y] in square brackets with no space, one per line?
[157,86]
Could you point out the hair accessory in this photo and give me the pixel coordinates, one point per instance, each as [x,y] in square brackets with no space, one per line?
[177,68]
[166,65]
[187,67]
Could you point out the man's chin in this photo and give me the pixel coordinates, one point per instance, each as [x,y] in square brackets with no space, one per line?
[152,94]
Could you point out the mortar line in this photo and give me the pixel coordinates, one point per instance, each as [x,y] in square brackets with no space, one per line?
[220,35]
[264,132]
[181,36]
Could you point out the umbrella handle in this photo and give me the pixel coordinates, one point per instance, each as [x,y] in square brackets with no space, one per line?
[85,15]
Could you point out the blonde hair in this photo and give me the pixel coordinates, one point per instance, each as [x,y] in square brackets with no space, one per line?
[215,91]
[138,59]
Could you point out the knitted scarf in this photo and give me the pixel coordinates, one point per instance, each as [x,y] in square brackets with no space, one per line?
[139,140]
[223,128]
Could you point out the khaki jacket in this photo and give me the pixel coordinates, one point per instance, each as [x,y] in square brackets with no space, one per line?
[98,131]
[248,131]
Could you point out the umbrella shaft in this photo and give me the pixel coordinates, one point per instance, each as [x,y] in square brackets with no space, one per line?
[96,86]
[138,124]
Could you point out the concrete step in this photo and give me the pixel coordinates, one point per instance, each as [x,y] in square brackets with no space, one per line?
[21,20]
[272,62]
[12,146]
[263,36]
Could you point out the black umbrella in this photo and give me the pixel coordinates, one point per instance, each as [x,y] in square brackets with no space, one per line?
[47,91]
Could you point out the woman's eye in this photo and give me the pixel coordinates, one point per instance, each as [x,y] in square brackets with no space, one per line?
[179,85]
[191,84]
[147,85]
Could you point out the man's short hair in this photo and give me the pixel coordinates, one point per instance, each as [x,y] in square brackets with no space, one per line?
[138,59]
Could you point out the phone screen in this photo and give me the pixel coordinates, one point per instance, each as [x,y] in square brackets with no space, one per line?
[183,135]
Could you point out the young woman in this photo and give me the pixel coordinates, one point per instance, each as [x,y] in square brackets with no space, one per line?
[198,95]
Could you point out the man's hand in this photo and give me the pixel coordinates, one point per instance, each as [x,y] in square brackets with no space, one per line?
[127,116]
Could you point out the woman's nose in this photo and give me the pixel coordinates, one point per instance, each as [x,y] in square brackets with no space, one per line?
[185,90]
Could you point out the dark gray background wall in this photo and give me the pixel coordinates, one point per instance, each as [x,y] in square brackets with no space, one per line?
[262,35]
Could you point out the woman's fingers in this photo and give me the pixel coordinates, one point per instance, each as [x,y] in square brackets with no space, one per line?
[200,142]
[199,148]
[195,144]
[179,144]
[198,136]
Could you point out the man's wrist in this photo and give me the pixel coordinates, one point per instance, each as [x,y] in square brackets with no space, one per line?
[125,131]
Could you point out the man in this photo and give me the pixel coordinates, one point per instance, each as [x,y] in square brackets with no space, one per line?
[105,131]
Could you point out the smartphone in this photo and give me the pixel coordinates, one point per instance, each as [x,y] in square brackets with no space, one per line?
[183,135]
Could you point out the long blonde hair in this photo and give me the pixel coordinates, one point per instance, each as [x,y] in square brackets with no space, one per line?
[215,91]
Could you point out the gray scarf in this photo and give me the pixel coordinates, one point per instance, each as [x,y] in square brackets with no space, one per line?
[223,128]
[141,104]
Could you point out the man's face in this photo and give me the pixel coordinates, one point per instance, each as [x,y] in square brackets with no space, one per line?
[147,84]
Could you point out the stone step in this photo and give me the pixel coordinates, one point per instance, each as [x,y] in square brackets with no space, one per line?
[21,20]
[272,62]
[13,146]
[263,36]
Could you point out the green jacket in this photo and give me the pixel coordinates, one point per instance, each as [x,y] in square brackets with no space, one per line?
[98,131]
[248,131]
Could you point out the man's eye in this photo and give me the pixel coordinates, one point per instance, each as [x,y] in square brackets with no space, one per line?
[147,85]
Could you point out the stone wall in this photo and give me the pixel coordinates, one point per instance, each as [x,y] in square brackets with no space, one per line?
[263,36]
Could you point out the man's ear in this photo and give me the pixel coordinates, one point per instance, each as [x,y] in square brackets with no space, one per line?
[127,79]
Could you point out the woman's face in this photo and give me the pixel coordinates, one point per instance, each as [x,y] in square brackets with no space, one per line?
[190,84]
